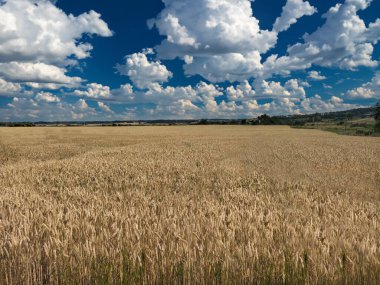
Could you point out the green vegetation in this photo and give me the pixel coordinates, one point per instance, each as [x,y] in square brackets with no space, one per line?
[356,127]
[357,122]
[19,124]
[377,117]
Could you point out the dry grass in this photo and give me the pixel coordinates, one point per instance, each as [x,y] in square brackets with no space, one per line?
[188,205]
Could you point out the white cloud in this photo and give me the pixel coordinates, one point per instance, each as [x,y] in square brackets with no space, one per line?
[361,92]
[316,75]
[201,100]
[291,12]
[174,102]
[82,105]
[47,97]
[123,94]
[39,31]
[36,72]
[26,109]
[38,40]
[368,90]
[183,108]
[94,90]
[282,65]
[104,107]
[343,41]
[127,89]
[226,67]
[178,101]
[336,100]
[162,95]
[224,42]
[8,88]
[296,88]
[220,40]
[143,72]
[46,86]
[317,104]
[209,91]
[169,25]
[157,94]
[293,88]
[243,91]
[219,27]
[270,89]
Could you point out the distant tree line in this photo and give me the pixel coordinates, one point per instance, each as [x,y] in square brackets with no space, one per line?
[19,124]
[299,120]
[377,117]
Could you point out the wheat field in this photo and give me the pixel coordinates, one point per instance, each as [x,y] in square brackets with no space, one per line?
[188,205]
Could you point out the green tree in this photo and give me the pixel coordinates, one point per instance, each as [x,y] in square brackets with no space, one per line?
[377,113]
[377,117]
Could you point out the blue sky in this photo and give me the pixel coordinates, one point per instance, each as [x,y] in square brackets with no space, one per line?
[171,59]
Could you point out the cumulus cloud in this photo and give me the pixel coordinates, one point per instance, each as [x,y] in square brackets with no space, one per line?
[317,104]
[166,95]
[47,97]
[32,109]
[243,91]
[94,90]
[292,88]
[36,73]
[81,105]
[220,40]
[226,67]
[104,107]
[124,93]
[225,42]
[343,41]
[219,26]
[202,94]
[316,75]
[271,89]
[291,12]
[8,88]
[200,101]
[361,92]
[143,72]
[211,101]
[183,108]
[38,41]
[33,30]
[46,86]
[126,89]
[369,90]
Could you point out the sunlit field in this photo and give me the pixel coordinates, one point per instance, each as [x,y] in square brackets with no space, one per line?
[188,205]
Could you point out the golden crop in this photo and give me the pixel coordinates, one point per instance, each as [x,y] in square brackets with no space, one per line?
[188,205]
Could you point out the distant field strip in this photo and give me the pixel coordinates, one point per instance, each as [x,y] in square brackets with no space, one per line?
[188,205]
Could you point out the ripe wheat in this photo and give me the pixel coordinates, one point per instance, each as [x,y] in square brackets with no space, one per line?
[188,205]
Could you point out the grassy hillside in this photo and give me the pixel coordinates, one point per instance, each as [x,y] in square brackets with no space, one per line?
[360,122]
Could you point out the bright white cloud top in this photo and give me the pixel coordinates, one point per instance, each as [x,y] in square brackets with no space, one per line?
[37,39]
[292,11]
[143,72]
